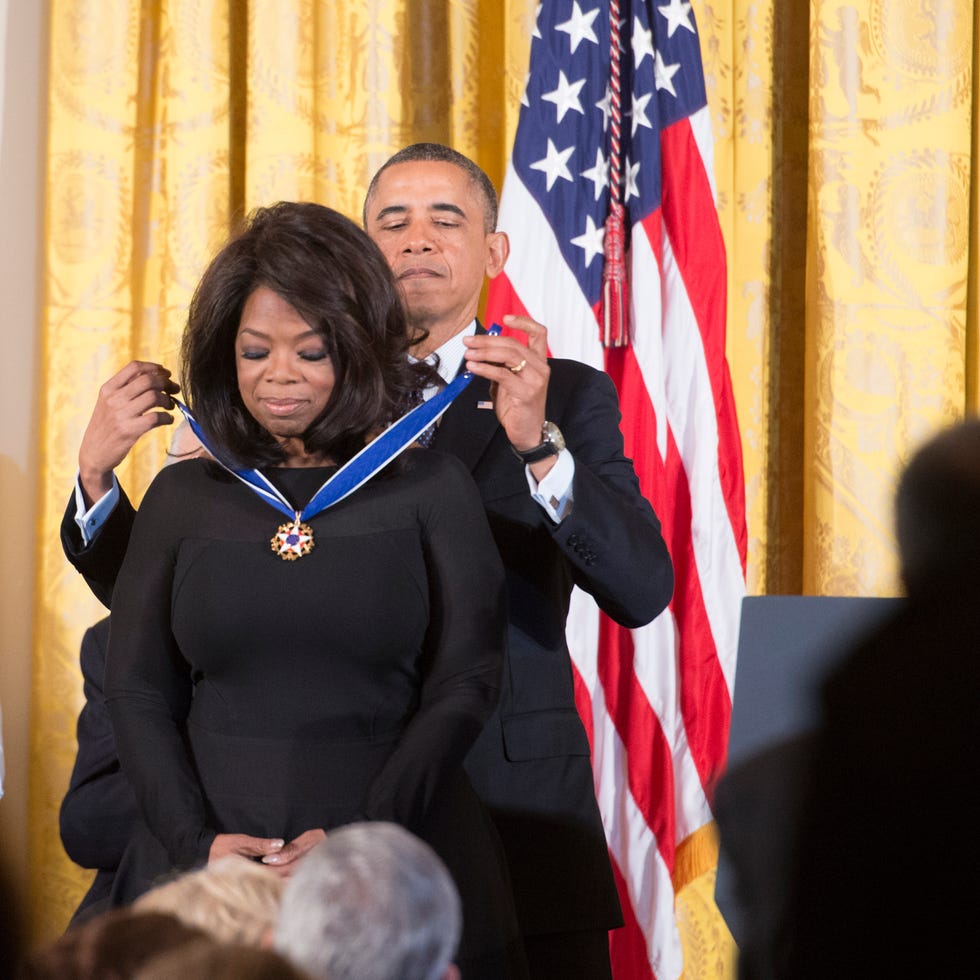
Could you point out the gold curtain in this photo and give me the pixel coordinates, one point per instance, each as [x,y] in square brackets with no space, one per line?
[888,261]
[846,170]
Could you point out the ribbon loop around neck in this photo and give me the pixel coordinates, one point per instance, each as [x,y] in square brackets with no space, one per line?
[356,471]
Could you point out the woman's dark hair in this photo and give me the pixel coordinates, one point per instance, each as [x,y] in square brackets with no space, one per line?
[336,278]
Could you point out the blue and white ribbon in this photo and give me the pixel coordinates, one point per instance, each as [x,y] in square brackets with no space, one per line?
[373,457]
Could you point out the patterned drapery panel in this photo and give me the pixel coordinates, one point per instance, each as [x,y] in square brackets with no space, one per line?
[846,179]
[888,260]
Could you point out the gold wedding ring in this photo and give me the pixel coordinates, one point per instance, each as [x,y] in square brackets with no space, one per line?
[517,368]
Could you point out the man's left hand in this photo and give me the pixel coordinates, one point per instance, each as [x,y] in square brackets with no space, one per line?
[518,378]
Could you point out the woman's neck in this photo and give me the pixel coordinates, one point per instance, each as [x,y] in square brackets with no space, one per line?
[297,457]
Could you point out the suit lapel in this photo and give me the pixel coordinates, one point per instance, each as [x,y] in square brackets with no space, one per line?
[466,430]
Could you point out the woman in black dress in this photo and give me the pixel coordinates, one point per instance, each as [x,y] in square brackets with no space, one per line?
[271,678]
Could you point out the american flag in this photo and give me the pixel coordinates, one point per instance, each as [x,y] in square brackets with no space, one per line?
[656,701]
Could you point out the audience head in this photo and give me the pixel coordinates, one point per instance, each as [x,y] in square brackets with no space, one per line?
[888,824]
[371,902]
[219,961]
[328,274]
[937,506]
[110,946]
[234,900]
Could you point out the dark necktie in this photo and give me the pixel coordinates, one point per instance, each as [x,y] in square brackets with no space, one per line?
[426,436]
[429,433]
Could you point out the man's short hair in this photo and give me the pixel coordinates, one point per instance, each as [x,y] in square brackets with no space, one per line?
[371,902]
[438,153]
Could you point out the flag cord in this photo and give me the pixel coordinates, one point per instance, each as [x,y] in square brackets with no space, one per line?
[615,317]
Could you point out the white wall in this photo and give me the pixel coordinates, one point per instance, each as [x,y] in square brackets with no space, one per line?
[23,81]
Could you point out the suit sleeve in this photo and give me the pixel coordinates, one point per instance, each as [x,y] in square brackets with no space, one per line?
[148,683]
[463,655]
[99,561]
[99,812]
[612,538]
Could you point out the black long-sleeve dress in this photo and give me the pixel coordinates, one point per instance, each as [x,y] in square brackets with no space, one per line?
[267,697]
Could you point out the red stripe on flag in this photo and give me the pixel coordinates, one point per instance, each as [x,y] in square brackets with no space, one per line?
[705,701]
[649,763]
[691,224]
[639,427]
[706,706]
[628,945]
[583,703]
[502,299]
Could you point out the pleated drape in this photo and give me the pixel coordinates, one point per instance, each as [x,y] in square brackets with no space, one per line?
[888,263]
[846,172]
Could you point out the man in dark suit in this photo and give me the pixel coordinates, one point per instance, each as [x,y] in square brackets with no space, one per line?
[97,784]
[542,440]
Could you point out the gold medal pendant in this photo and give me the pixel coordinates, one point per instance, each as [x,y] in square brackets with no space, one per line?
[292,540]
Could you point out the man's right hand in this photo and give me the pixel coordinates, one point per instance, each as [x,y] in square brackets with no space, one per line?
[122,414]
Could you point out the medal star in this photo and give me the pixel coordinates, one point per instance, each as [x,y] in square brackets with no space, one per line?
[639,114]
[642,44]
[663,74]
[591,240]
[677,14]
[579,26]
[565,97]
[292,541]
[599,174]
[554,165]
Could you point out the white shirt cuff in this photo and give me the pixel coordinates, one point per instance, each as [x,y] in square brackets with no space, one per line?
[90,521]
[554,492]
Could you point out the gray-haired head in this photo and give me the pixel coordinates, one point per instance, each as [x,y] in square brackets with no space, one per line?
[371,902]
[439,153]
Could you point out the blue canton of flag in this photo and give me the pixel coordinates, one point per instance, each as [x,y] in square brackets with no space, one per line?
[562,150]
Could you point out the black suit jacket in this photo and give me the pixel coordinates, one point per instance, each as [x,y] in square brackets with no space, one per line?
[99,810]
[531,765]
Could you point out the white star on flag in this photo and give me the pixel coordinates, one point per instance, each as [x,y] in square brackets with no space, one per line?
[579,26]
[639,113]
[630,175]
[590,241]
[677,14]
[662,76]
[554,164]
[565,97]
[642,44]
[599,174]
[537,30]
